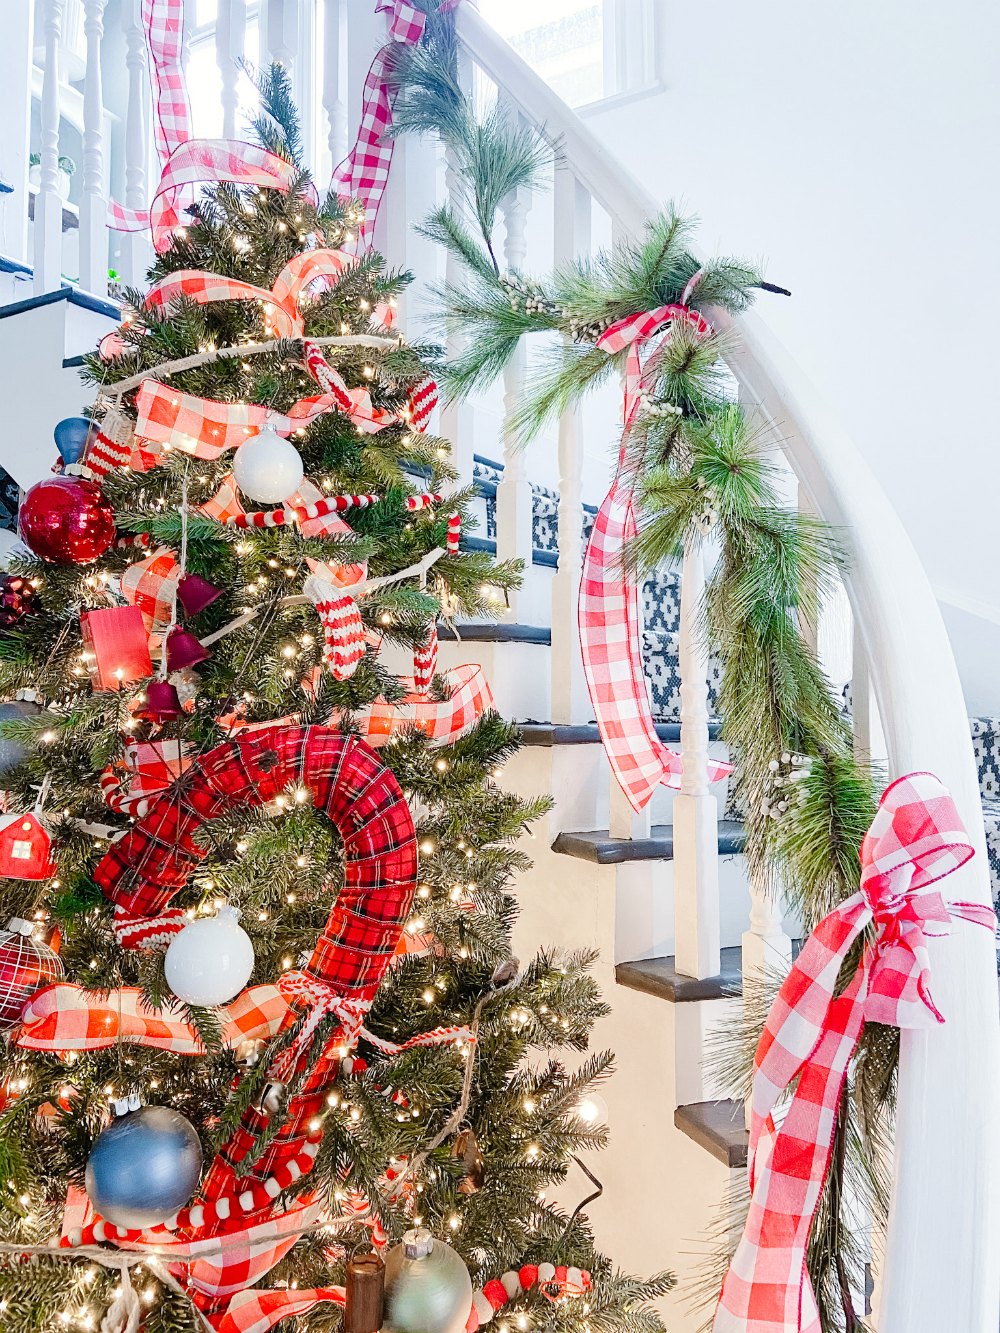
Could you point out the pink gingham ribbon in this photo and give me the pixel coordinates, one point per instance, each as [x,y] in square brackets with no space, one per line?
[608,610]
[915,840]
[186,161]
[364,172]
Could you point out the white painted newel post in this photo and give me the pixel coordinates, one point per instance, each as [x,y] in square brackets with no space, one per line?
[572,218]
[514,539]
[94,203]
[696,813]
[48,205]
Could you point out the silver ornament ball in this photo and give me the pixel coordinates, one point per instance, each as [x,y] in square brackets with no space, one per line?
[144,1167]
[427,1287]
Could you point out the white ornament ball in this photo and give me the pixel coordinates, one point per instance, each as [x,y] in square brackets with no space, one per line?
[267,468]
[210,961]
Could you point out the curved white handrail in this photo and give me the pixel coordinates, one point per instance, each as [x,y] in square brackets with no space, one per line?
[946,1160]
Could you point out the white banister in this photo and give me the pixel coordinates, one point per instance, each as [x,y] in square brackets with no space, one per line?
[93,203]
[946,1186]
[230,42]
[15,143]
[696,812]
[134,247]
[514,501]
[334,103]
[572,227]
[48,205]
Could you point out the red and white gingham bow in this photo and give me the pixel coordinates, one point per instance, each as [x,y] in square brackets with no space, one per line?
[439,720]
[364,172]
[915,840]
[608,610]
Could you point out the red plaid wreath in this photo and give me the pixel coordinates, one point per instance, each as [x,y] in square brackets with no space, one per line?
[141,873]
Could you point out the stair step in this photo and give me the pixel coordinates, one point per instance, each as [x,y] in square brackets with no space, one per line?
[600,848]
[660,977]
[587,733]
[495,632]
[718,1127]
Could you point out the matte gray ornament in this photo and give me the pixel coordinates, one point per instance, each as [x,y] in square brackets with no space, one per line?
[13,753]
[427,1287]
[144,1166]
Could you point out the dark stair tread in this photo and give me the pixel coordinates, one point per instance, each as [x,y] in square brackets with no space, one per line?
[718,1127]
[496,632]
[598,846]
[660,977]
[587,733]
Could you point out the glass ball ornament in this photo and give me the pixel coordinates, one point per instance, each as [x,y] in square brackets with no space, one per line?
[144,1166]
[26,965]
[210,961]
[268,468]
[66,521]
[17,599]
[13,753]
[427,1287]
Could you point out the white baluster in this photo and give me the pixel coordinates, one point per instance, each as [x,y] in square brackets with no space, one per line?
[766,949]
[696,812]
[514,539]
[282,36]
[48,205]
[572,219]
[230,41]
[458,418]
[135,250]
[15,144]
[94,203]
[334,102]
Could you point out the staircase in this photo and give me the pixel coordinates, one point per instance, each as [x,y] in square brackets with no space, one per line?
[676,932]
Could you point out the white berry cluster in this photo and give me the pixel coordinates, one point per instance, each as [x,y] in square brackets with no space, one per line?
[527,296]
[788,777]
[709,515]
[588,333]
[655,407]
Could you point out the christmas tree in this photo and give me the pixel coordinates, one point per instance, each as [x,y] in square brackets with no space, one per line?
[201,715]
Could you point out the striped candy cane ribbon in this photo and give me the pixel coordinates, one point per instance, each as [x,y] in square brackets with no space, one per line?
[811,1032]
[608,611]
[363,174]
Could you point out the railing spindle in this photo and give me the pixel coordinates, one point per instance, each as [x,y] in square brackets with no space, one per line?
[696,812]
[230,42]
[134,248]
[48,205]
[334,103]
[572,238]
[93,203]
[514,539]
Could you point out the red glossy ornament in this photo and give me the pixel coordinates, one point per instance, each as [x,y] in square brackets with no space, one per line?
[66,520]
[162,703]
[195,593]
[184,650]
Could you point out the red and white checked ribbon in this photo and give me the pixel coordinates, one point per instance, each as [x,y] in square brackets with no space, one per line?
[608,611]
[442,721]
[186,161]
[149,767]
[364,172]
[811,1032]
[150,585]
[343,628]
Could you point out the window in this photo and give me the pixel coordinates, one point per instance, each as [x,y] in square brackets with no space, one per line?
[562,40]
[583,50]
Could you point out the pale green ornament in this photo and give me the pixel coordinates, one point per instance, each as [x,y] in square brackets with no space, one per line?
[427,1287]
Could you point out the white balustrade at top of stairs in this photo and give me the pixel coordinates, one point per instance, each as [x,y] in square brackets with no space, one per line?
[945,1196]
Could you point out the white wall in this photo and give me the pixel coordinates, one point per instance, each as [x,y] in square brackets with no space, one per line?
[850,146]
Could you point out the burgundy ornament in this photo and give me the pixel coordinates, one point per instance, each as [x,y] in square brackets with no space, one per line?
[17,599]
[195,593]
[66,521]
[162,702]
[184,649]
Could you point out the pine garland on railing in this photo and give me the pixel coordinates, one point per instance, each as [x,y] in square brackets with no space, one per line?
[699,469]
